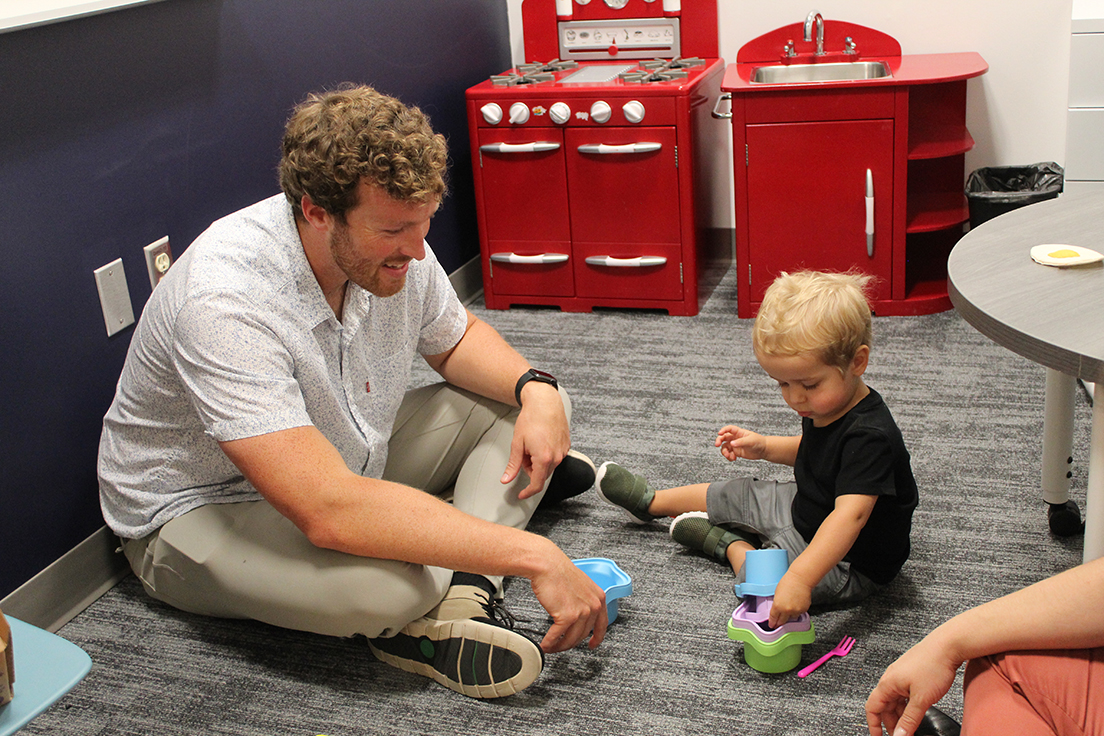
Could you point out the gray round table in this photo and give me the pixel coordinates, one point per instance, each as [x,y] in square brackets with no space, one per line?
[1052,316]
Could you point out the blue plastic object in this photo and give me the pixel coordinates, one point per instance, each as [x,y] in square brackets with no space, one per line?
[46,667]
[763,568]
[610,578]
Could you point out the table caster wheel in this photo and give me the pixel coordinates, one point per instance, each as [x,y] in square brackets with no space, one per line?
[1065,519]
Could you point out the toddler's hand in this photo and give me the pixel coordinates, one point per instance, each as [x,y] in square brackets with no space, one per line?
[740,443]
[791,599]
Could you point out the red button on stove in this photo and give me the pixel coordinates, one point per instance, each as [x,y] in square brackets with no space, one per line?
[613,50]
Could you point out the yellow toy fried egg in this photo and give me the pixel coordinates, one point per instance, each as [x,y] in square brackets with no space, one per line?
[1052,254]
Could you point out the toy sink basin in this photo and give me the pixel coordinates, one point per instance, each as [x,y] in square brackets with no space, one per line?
[610,578]
[828,72]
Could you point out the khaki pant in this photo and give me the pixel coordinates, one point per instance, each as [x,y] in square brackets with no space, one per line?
[246,560]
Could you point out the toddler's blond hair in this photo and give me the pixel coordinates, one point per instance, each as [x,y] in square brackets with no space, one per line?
[814,311]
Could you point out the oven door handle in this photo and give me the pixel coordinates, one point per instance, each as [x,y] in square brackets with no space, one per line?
[537,147]
[638,262]
[539,259]
[603,148]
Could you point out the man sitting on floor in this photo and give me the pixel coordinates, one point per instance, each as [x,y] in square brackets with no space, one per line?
[263,458]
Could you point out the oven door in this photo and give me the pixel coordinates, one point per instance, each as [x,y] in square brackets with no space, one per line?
[523,196]
[625,213]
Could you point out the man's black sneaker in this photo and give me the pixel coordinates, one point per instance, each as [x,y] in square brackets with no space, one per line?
[574,475]
[479,657]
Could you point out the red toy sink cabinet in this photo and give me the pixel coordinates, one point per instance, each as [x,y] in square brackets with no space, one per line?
[850,174]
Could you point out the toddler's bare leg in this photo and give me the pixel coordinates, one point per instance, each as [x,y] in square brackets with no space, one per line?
[675,501]
[735,554]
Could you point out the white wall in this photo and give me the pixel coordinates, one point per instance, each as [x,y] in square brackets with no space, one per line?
[1016,111]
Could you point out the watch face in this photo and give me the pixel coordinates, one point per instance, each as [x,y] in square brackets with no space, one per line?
[617,4]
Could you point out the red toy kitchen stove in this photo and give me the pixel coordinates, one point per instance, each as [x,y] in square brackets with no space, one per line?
[591,185]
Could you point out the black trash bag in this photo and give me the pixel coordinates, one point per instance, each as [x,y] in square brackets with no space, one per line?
[995,190]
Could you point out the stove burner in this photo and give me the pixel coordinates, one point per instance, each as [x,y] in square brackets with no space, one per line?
[678,63]
[644,77]
[556,65]
[661,70]
[513,79]
[531,73]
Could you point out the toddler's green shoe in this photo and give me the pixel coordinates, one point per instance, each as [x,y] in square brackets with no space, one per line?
[694,530]
[621,488]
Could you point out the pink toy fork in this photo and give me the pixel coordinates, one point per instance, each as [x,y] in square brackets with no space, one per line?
[841,650]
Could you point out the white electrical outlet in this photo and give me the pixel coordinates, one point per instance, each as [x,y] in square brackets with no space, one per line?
[158,259]
[114,296]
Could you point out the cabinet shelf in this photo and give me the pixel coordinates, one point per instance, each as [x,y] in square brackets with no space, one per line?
[937,142]
[931,211]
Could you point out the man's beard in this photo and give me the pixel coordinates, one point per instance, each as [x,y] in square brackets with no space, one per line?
[364,273]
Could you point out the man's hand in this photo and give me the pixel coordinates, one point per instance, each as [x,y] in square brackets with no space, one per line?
[541,437]
[575,603]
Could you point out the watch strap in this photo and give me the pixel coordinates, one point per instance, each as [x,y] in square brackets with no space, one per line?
[533,375]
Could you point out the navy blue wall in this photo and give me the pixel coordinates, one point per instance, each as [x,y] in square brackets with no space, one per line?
[118,129]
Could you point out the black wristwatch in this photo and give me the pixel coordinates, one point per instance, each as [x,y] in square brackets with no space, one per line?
[533,375]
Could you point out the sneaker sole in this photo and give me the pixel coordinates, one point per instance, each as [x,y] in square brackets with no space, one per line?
[598,487]
[474,658]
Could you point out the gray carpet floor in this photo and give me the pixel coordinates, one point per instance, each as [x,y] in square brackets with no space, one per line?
[649,391]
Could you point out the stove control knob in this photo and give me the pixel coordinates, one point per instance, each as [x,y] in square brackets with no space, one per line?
[492,113]
[600,112]
[519,113]
[634,111]
[560,113]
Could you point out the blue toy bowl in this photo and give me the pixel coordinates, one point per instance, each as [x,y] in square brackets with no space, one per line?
[610,578]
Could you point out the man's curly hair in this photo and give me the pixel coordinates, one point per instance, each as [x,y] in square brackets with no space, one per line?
[334,139]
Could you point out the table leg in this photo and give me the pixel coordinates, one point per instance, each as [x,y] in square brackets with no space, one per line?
[1063,515]
[1057,436]
[1094,502]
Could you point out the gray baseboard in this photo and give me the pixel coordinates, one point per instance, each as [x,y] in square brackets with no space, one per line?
[468,280]
[69,585]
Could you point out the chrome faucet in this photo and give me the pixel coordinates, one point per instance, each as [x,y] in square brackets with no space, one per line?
[816,18]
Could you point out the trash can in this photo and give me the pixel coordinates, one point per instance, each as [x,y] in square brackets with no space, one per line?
[995,190]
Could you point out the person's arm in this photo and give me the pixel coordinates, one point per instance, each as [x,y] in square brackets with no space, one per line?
[736,442]
[1061,612]
[484,363]
[833,540]
[303,476]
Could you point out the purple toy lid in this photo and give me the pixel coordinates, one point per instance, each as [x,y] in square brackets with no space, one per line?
[754,613]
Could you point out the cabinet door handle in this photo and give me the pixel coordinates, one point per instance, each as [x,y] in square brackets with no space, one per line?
[638,262]
[536,147]
[604,148]
[723,115]
[539,259]
[869,214]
